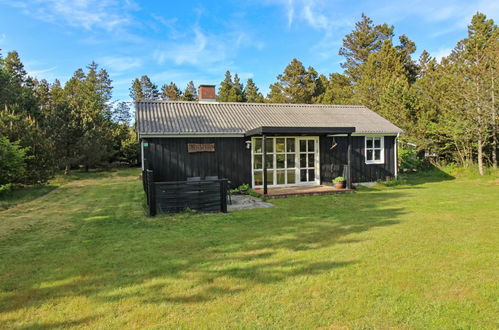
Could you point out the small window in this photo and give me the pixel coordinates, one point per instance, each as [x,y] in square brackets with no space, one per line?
[375,150]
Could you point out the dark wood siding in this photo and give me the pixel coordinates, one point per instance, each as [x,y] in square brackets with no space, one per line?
[170,160]
[332,160]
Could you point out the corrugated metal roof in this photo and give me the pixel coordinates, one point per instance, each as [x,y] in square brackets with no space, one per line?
[181,117]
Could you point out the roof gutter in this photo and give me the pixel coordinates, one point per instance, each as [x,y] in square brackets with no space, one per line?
[187,135]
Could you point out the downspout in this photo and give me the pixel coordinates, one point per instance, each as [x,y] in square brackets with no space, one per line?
[396,156]
[264,172]
[142,154]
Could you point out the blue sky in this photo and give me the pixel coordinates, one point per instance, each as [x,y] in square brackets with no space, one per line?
[195,40]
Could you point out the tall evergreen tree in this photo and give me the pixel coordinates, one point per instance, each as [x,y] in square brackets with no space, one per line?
[365,39]
[64,124]
[143,89]
[170,92]
[89,95]
[382,69]
[15,67]
[237,90]
[226,90]
[481,41]
[251,93]
[338,90]
[190,92]
[295,85]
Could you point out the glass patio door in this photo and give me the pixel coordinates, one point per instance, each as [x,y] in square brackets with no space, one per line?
[308,159]
[284,162]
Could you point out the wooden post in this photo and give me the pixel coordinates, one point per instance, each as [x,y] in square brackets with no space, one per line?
[151,192]
[223,195]
[349,162]
[264,172]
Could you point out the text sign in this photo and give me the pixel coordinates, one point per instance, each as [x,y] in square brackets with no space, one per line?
[201,147]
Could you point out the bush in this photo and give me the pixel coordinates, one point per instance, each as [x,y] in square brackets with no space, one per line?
[409,161]
[13,164]
[338,179]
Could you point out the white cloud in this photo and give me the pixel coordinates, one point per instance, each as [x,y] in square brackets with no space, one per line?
[290,12]
[48,74]
[119,64]
[87,14]
[441,53]
[3,38]
[208,52]
[315,20]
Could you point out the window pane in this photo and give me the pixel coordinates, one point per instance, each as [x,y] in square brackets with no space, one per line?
[303,160]
[258,178]
[269,145]
[311,160]
[369,155]
[270,177]
[257,146]
[377,142]
[291,177]
[257,161]
[280,161]
[269,161]
[303,175]
[279,145]
[311,144]
[290,145]
[311,175]
[303,146]
[369,143]
[377,154]
[280,176]
[291,160]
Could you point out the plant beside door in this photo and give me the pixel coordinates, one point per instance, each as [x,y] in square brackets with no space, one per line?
[339,182]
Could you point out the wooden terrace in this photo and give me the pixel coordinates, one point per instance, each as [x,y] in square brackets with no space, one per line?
[277,192]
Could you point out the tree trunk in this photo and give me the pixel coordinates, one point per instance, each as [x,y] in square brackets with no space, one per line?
[66,169]
[494,125]
[480,155]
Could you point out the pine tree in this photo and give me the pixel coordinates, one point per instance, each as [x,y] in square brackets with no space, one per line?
[482,39]
[170,92]
[237,90]
[64,124]
[406,48]
[190,93]
[365,39]
[143,89]
[381,69]
[225,92]
[121,113]
[295,85]
[136,92]
[426,62]
[15,67]
[338,90]
[251,93]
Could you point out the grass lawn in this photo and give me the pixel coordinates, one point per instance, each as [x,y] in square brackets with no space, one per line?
[419,255]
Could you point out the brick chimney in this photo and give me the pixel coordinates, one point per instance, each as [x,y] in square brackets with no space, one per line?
[206,93]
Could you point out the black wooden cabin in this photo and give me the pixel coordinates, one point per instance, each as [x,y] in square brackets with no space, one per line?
[265,145]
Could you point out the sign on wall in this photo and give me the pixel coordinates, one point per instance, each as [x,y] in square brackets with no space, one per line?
[201,147]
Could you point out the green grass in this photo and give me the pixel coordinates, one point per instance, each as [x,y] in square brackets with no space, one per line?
[419,254]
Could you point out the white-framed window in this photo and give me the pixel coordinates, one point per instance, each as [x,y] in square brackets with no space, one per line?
[374,149]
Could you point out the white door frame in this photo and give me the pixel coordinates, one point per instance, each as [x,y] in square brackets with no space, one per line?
[297,162]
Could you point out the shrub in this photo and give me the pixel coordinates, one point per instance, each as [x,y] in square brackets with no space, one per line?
[338,179]
[13,164]
[409,161]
